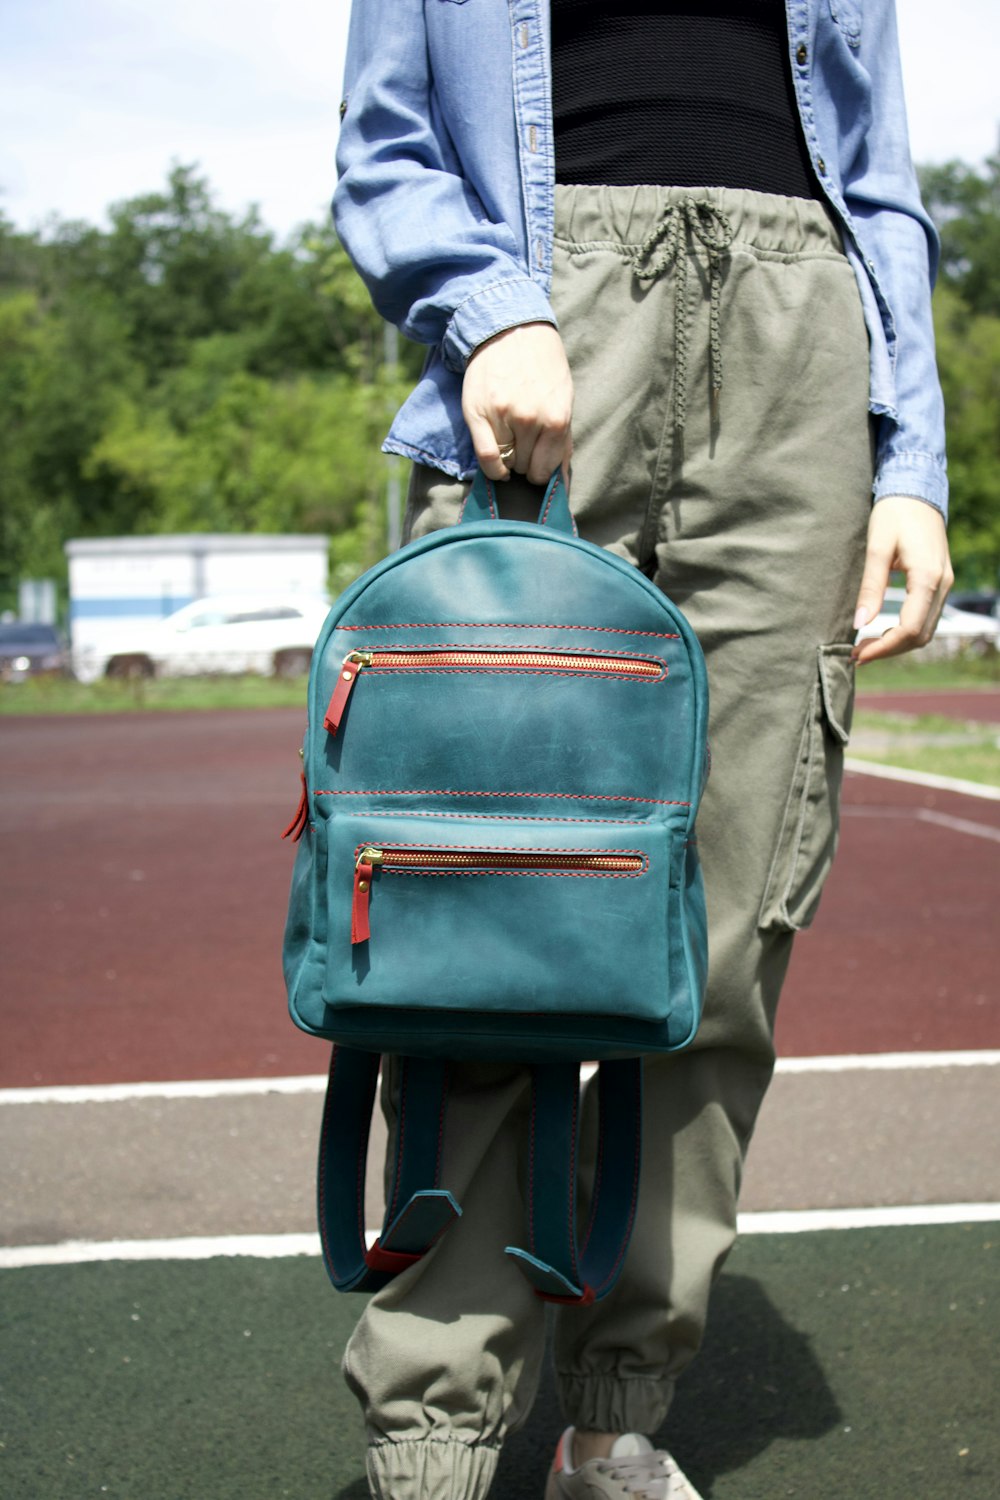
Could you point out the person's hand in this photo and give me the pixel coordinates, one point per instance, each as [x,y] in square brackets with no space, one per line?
[910,535]
[518,391]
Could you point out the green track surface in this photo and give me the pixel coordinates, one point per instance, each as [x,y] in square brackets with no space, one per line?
[851,1363]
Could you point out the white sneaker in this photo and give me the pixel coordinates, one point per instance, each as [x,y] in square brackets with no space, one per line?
[633,1469]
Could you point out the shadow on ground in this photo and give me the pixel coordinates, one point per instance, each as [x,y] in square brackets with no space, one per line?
[756,1379]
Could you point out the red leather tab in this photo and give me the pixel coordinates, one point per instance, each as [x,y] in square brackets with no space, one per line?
[586,1298]
[296,827]
[360,931]
[377,1259]
[340,695]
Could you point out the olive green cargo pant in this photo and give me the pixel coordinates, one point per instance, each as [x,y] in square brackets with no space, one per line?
[750,511]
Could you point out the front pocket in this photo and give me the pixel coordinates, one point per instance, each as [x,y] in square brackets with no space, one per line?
[386,862]
[513,916]
[435,659]
[808,836]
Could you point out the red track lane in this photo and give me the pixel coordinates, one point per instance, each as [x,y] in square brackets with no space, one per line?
[981,705]
[144,887]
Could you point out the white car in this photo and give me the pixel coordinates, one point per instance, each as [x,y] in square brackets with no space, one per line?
[958,630]
[226,633]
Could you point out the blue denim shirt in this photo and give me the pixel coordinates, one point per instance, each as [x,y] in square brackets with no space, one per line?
[445,201]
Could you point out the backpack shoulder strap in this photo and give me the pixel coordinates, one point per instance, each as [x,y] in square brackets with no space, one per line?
[418,1212]
[559,1267]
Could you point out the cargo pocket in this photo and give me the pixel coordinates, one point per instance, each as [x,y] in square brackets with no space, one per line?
[808,835]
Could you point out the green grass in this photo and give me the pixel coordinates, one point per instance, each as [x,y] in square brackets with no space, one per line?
[972,762]
[915,674]
[870,719]
[50,695]
[928,742]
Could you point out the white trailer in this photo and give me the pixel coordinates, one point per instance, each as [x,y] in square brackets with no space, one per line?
[120,586]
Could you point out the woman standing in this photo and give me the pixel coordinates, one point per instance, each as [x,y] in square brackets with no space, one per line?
[685,244]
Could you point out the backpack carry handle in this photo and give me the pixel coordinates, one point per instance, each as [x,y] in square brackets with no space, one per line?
[482,503]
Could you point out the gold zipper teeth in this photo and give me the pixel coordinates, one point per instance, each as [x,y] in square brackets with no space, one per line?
[487,859]
[516,659]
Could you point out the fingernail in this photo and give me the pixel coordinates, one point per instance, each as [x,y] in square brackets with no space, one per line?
[861,617]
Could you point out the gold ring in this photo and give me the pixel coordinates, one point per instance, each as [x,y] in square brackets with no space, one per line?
[507,452]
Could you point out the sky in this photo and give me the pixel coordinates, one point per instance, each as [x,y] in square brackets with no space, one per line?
[99,97]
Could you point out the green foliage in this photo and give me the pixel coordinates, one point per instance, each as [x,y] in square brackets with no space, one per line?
[968,346]
[965,205]
[181,371]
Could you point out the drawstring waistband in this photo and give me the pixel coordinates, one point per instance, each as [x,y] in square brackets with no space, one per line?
[694,221]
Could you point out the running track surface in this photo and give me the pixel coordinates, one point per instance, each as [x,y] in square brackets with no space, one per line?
[144,885]
[982,705]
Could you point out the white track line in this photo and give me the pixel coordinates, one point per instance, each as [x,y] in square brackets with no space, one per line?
[924,815]
[888,1061]
[922,778]
[959,825]
[277,1246]
[315,1083]
[198,1088]
[809,1220]
[77,1252]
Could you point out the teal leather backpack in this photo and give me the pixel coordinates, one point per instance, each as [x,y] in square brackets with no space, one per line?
[505,750]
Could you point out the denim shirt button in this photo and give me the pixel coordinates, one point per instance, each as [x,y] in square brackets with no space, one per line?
[801,54]
[820,164]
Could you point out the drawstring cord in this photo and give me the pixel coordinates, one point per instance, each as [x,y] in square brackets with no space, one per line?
[700,222]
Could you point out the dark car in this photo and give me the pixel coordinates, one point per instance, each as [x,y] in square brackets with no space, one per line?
[29,650]
[984,602]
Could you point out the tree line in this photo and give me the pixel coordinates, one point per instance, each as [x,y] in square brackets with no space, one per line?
[182,370]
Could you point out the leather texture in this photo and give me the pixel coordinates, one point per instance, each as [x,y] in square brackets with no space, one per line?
[552,908]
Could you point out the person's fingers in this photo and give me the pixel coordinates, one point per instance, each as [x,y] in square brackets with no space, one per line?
[552,448]
[518,390]
[906,533]
[487,446]
[917,622]
[874,582]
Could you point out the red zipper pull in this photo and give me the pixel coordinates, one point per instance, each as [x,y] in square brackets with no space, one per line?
[345,681]
[297,826]
[360,930]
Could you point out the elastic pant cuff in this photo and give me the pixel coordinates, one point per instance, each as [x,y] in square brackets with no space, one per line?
[608,1403]
[430,1469]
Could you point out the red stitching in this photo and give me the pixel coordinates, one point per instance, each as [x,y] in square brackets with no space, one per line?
[543,518]
[589,651]
[386,812]
[451,792]
[657,635]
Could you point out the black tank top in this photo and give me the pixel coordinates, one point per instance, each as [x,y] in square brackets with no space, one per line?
[683,94]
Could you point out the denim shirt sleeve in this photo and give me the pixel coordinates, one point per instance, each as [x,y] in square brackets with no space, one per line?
[900,244]
[435,262]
